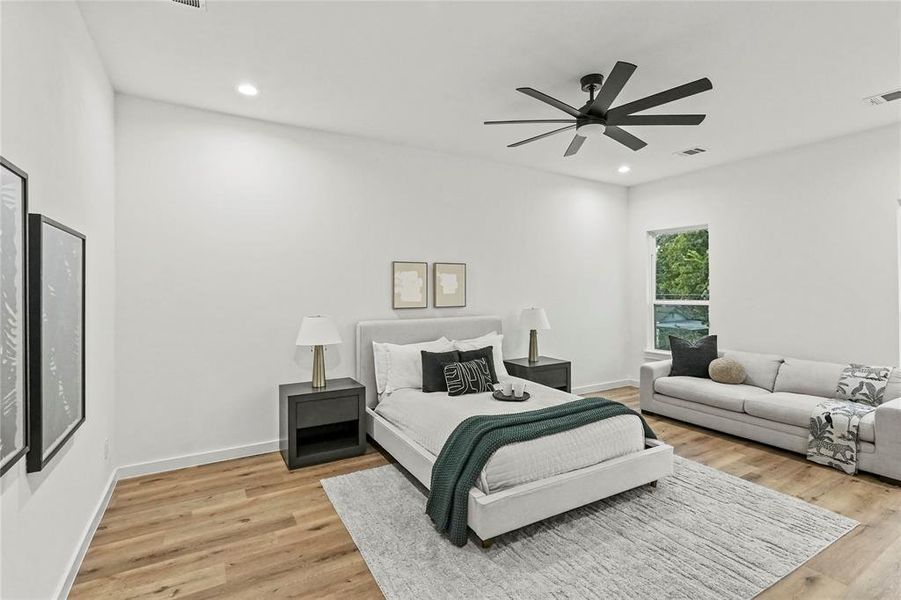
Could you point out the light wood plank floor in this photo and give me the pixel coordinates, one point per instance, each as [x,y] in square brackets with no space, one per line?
[249,528]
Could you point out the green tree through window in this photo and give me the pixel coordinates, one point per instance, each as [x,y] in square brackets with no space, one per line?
[682,286]
[683,271]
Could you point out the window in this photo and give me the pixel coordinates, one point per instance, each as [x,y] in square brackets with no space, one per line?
[680,285]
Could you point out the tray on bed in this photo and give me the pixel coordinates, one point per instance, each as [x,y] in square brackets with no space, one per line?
[499,395]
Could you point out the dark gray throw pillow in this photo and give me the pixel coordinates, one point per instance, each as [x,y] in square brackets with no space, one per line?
[470,377]
[692,359]
[487,353]
[433,364]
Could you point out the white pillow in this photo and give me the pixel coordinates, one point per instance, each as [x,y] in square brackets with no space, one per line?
[400,365]
[380,359]
[493,339]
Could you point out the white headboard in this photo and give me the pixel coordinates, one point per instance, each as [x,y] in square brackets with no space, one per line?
[410,331]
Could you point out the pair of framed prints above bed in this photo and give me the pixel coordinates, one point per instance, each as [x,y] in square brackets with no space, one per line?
[42,341]
[410,284]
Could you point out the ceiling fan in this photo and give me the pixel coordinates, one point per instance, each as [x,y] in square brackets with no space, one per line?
[596,117]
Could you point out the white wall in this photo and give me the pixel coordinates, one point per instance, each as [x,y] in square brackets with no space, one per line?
[803,248]
[230,230]
[57,125]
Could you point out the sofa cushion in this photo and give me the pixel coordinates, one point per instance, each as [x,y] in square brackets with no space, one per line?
[761,369]
[784,407]
[809,377]
[739,418]
[795,409]
[706,391]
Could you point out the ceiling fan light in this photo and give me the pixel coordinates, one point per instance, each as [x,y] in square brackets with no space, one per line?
[591,129]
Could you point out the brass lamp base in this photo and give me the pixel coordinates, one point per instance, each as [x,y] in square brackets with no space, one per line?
[533,346]
[318,367]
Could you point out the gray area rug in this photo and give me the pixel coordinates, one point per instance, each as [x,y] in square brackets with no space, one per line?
[701,534]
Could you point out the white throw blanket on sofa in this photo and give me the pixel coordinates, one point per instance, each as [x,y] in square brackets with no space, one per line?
[834,429]
[835,424]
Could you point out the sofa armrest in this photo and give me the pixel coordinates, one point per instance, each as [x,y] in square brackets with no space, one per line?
[888,426]
[650,372]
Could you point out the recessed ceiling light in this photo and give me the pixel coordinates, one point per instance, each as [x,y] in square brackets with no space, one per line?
[624,169]
[248,89]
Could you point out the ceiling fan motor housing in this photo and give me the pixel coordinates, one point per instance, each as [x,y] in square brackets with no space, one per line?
[592,81]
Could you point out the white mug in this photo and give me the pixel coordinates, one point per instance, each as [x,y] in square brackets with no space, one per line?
[519,388]
[507,388]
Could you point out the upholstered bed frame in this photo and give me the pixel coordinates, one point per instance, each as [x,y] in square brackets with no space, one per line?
[493,514]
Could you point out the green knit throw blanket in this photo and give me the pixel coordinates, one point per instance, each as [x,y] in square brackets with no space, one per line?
[476,439]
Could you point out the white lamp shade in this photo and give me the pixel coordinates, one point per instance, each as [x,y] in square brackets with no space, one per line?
[317,331]
[534,318]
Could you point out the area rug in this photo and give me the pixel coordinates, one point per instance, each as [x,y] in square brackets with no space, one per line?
[700,534]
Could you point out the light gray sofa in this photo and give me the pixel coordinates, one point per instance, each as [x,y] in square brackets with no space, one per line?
[773,406]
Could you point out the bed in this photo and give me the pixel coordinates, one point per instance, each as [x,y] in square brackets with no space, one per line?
[522,483]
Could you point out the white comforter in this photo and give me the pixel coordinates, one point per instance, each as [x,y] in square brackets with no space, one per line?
[429,419]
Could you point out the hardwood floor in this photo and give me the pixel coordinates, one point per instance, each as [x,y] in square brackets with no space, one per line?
[249,528]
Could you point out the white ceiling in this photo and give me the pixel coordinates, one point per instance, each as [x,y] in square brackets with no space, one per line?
[427,74]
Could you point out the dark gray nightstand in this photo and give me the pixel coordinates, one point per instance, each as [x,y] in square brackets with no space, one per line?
[319,425]
[551,372]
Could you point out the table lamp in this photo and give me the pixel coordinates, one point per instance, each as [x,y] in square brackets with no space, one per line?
[317,331]
[533,319]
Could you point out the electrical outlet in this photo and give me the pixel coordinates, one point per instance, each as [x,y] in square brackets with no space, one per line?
[106,449]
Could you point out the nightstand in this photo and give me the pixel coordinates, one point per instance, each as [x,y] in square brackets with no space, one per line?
[321,424]
[551,372]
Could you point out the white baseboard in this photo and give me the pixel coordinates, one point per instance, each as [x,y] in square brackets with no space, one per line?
[87,536]
[148,468]
[603,387]
[193,460]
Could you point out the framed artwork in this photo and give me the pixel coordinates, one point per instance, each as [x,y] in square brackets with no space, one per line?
[56,306]
[13,315]
[450,285]
[410,284]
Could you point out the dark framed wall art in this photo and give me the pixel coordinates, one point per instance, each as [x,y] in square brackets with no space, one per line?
[56,305]
[13,315]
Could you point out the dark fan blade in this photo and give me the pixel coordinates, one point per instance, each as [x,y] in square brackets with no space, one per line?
[657,120]
[676,93]
[613,85]
[574,145]
[530,121]
[552,101]
[543,135]
[624,137]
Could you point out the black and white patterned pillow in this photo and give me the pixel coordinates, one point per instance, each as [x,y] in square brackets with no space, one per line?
[470,377]
[864,384]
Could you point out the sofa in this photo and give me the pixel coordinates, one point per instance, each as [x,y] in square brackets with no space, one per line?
[773,405]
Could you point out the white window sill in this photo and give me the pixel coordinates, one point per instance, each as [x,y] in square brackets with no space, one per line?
[654,354]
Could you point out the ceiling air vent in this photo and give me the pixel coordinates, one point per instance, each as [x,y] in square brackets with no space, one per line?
[198,4]
[691,151]
[884,97]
